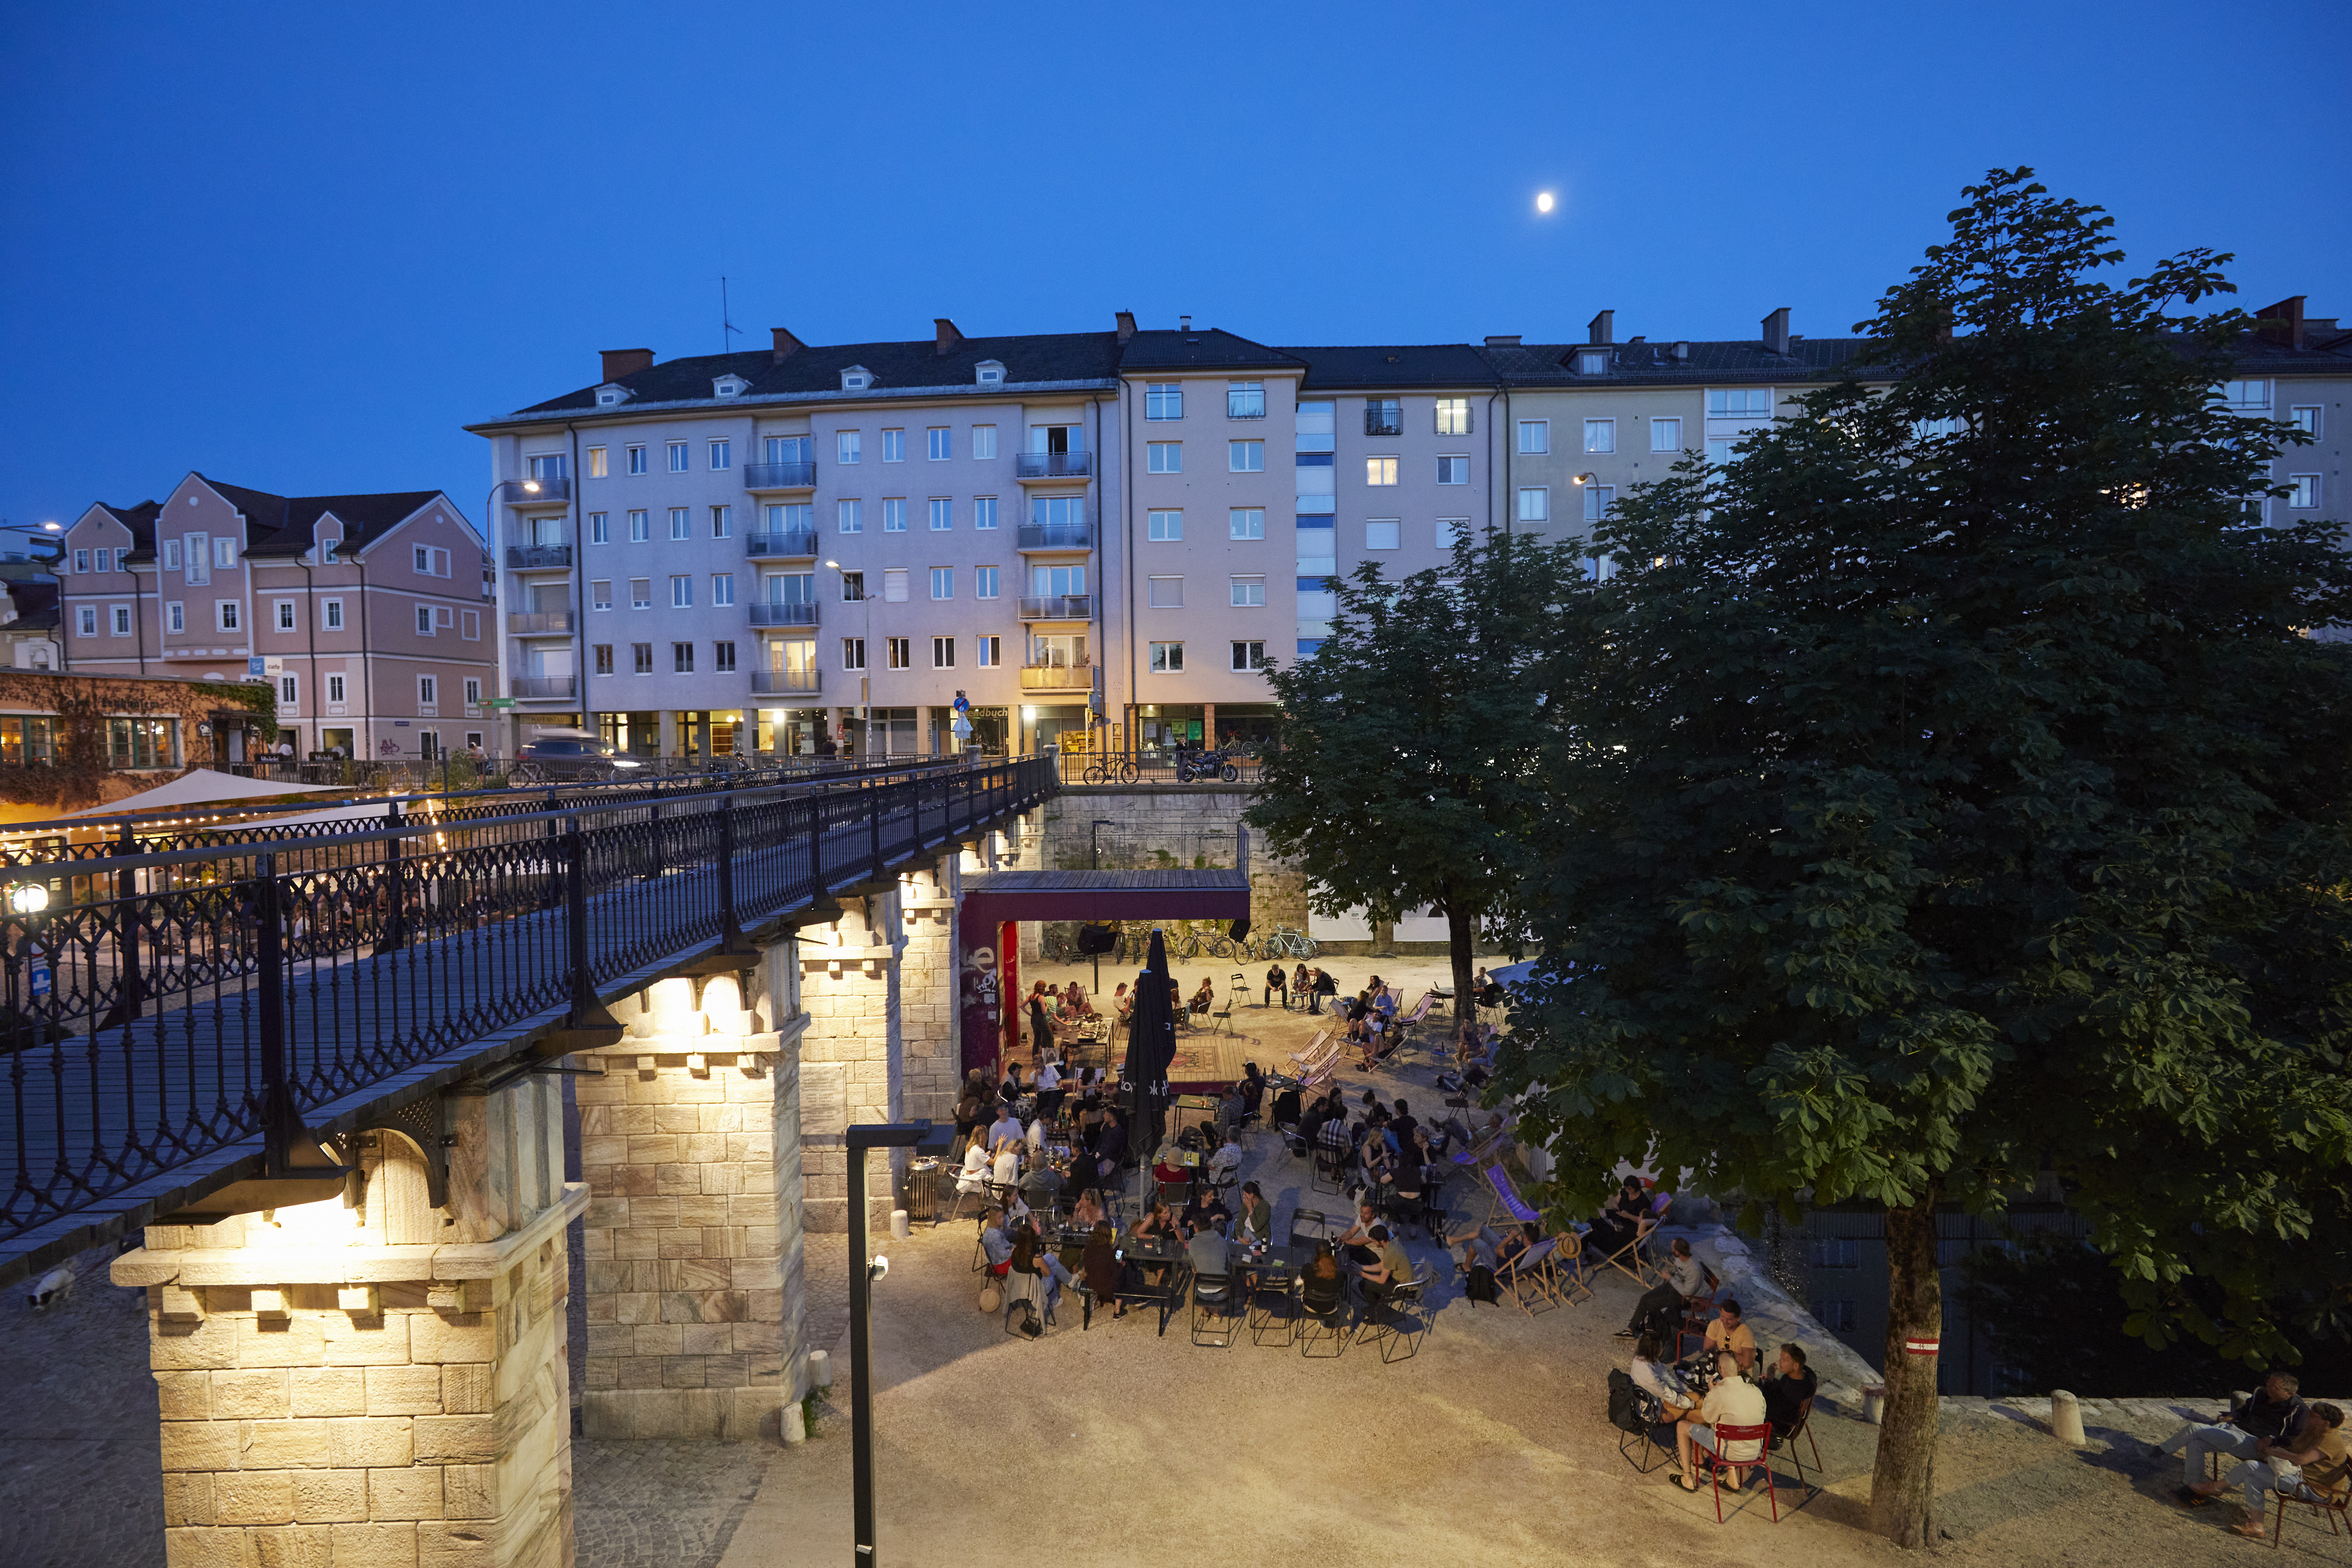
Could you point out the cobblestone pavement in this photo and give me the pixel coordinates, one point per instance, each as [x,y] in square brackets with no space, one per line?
[660,1504]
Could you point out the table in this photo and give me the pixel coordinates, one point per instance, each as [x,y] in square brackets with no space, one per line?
[1270,1277]
[1164,1253]
[1206,1105]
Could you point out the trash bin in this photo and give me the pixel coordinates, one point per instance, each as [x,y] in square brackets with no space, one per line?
[923,1190]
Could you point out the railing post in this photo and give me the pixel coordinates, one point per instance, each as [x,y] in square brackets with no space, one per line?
[126,892]
[816,799]
[873,820]
[584,1002]
[731,929]
[279,1122]
[394,934]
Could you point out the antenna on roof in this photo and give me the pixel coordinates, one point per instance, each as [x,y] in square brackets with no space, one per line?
[726,326]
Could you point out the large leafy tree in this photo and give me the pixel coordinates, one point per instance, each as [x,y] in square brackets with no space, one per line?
[1406,771]
[1953,802]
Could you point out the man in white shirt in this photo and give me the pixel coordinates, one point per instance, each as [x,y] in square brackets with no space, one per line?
[1007,1129]
[1731,1401]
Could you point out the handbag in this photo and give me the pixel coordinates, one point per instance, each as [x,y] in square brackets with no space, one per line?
[991,1296]
[1031,1327]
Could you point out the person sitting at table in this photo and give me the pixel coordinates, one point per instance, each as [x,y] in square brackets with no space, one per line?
[1168,1167]
[1122,1006]
[1041,1188]
[1731,1401]
[1230,1108]
[1785,1388]
[1356,1242]
[1101,1268]
[976,1104]
[1205,998]
[1389,1269]
[1252,1088]
[1406,1181]
[2313,1466]
[1206,1207]
[1255,1219]
[1323,986]
[1074,994]
[1729,1336]
[994,1245]
[1049,1089]
[1010,1090]
[1276,985]
[1619,1220]
[2272,1412]
[1088,1211]
[1226,1162]
[1007,1173]
[1657,1376]
[1005,1129]
[1110,1148]
[1158,1221]
[1302,985]
[979,1168]
[1661,1304]
[1206,1251]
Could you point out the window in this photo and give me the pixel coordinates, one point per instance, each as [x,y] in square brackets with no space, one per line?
[604,652]
[1600,568]
[1454,416]
[983,582]
[470,624]
[942,582]
[175,617]
[1600,434]
[1167,456]
[1163,527]
[681,592]
[86,621]
[983,441]
[943,653]
[225,615]
[288,687]
[285,608]
[1163,400]
[335,688]
[1245,400]
[1379,470]
[1383,417]
[1596,502]
[122,620]
[894,514]
[681,522]
[1719,450]
[1167,593]
[597,468]
[987,652]
[1167,659]
[599,596]
[894,445]
[1665,435]
[1248,656]
[599,528]
[1535,504]
[681,658]
[2304,416]
[722,588]
[641,658]
[1382,533]
[1451,531]
[1739,402]
[722,523]
[899,651]
[677,457]
[853,653]
[1245,522]
[331,614]
[847,446]
[1057,582]
[722,455]
[473,691]
[81,560]
[640,527]
[943,514]
[894,585]
[852,587]
[425,620]
[200,556]
[1535,436]
[637,460]
[983,511]
[172,548]
[2246,394]
[1454,470]
[792,517]
[1248,592]
[849,516]
[722,658]
[548,466]
[223,551]
[1246,457]
[641,593]
[941,448]
[2302,490]
[428,691]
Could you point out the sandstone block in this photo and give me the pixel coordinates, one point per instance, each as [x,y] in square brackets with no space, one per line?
[199,1445]
[346,1340]
[187,1500]
[463,1336]
[404,1494]
[254,1496]
[206,1548]
[282,1445]
[467,1388]
[455,1440]
[470,1491]
[404,1391]
[681,1372]
[369,1442]
[327,1391]
[385,1545]
[293,1546]
[330,1497]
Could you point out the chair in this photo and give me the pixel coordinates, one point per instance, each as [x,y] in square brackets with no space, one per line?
[2330,1507]
[1330,1169]
[1697,1312]
[1804,1428]
[1213,1291]
[1652,1415]
[1528,1276]
[1291,1139]
[1029,1288]
[1331,1314]
[1761,1435]
[1628,1259]
[1308,1226]
[1403,1310]
[1504,1194]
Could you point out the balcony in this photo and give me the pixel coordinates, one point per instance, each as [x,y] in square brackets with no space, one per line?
[535,492]
[1381,419]
[784,682]
[780,476]
[1077,677]
[539,623]
[1057,536]
[768,546]
[537,557]
[543,686]
[768,614]
[1039,467]
[1057,607]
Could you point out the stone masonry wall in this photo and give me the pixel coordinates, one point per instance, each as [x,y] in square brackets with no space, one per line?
[930,1009]
[852,1058]
[1193,823]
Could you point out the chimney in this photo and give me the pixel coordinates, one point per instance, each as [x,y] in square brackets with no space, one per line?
[1776,331]
[620,362]
[947,335]
[1500,341]
[1599,328]
[1184,324]
[787,345]
[1126,319]
[2282,322]
[1681,348]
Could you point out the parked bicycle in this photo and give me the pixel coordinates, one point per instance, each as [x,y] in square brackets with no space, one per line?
[1110,770]
[1286,941]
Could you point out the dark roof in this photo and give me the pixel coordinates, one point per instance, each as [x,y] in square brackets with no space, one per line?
[816,368]
[281,525]
[1405,364]
[141,521]
[1211,348]
[1634,364]
[37,605]
[2324,352]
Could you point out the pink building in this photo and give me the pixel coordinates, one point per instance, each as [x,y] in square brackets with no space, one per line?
[369,614]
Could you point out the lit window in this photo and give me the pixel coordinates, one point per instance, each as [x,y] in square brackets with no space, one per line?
[596,463]
[1454,416]
[1379,470]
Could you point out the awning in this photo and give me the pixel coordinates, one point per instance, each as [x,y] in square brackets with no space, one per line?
[202,786]
[1172,895]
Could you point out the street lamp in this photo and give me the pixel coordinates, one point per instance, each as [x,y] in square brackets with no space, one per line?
[926,1139]
[865,664]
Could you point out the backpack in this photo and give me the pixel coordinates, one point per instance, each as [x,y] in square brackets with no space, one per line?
[1630,1409]
[1480,1285]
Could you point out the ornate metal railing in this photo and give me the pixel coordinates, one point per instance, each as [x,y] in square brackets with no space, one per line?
[167,1012]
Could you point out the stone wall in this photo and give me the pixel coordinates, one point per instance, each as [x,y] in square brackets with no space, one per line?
[929,1007]
[1170,824]
[853,1055]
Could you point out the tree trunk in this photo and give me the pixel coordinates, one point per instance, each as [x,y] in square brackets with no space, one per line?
[1459,929]
[1903,1479]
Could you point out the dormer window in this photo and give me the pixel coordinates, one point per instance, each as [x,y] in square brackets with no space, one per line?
[609,396]
[857,378]
[1592,364]
[730,386]
[991,372]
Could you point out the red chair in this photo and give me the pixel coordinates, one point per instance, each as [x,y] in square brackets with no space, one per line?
[2330,1507]
[1697,1312]
[1803,1428]
[1761,1436]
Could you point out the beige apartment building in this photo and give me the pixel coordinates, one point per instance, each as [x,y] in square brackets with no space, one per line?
[1102,534]
[369,614]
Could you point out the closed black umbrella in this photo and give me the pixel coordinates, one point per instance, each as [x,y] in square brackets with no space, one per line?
[1150,1046]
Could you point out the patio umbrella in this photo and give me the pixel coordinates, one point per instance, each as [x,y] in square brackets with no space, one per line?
[1150,1044]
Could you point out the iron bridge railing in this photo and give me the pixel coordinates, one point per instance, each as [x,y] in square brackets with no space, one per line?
[156,1014]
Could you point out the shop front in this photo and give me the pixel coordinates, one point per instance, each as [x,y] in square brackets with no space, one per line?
[639,734]
[1164,727]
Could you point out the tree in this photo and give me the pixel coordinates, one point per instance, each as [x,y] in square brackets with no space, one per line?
[1404,773]
[1954,800]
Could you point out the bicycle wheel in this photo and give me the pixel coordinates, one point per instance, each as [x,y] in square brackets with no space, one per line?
[1230,774]
[1127,772]
[1094,773]
[1220,947]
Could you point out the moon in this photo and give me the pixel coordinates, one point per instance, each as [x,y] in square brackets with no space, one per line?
[1543,201]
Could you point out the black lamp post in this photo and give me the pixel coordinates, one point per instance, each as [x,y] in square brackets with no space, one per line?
[924,1138]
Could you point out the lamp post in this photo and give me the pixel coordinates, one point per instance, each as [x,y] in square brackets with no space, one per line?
[865,664]
[1094,855]
[924,1138]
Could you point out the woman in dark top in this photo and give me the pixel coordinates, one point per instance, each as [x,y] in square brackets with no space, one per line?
[1321,1282]
[1041,1024]
[1101,1268]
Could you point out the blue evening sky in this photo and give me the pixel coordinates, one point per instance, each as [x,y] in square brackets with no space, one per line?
[297,245]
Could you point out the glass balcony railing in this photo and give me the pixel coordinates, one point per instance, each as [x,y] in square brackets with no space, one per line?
[766,546]
[533,622]
[783,682]
[1057,606]
[1054,466]
[765,613]
[780,476]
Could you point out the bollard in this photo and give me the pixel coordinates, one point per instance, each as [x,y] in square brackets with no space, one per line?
[899,1228]
[795,1433]
[1874,1404]
[820,1364]
[2066,1418]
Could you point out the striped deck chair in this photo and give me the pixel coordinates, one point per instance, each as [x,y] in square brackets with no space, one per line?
[1529,1276]
[1306,1059]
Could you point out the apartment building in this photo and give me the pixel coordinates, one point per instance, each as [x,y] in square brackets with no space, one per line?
[368,612]
[743,551]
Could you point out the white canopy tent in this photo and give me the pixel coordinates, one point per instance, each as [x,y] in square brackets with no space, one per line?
[200,787]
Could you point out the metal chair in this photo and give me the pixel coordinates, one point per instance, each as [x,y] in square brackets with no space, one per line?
[1716,1464]
[1213,1291]
[1654,1415]
[1329,1166]
[1403,1311]
[2330,1507]
[1308,1226]
[1804,1428]
[1331,1314]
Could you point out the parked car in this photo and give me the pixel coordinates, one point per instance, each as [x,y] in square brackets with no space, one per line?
[554,756]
